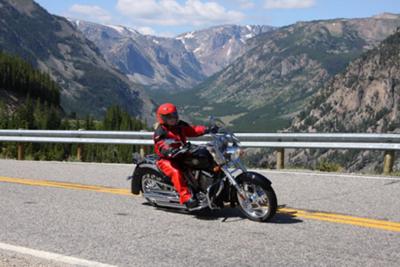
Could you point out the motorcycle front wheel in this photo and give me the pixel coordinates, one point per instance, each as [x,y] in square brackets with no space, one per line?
[260,203]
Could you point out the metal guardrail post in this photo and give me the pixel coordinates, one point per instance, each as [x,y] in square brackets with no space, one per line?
[21,151]
[79,152]
[79,148]
[388,162]
[280,158]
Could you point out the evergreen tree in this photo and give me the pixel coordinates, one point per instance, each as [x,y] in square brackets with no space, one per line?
[19,77]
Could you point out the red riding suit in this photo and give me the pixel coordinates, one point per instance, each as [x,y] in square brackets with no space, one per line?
[168,139]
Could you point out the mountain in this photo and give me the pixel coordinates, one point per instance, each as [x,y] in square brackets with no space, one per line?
[218,46]
[270,83]
[52,44]
[159,63]
[364,98]
[169,63]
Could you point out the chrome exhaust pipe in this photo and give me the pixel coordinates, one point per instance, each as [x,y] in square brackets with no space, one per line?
[170,200]
[162,195]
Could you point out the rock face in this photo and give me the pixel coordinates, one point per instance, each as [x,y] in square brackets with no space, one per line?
[159,63]
[52,44]
[169,63]
[216,47]
[365,98]
[283,68]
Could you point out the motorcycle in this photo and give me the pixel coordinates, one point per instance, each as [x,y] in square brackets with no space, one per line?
[215,175]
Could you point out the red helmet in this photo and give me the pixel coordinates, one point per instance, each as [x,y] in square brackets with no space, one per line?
[166,110]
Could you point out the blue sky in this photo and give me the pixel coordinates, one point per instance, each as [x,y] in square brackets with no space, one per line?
[172,17]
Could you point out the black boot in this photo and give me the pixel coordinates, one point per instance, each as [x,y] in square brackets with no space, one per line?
[191,203]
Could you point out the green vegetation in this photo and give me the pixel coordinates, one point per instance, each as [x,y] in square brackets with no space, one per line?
[326,166]
[19,77]
[39,108]
[115,119]
[103,88]
[320,46]
[36,115]
[263,119]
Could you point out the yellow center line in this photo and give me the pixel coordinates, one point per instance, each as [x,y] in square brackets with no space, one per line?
[314,215]
[66,185]
[343,219]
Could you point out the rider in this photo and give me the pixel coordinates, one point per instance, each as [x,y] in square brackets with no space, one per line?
[169,138]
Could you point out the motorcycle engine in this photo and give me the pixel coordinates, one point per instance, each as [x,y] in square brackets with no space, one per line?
[205,180]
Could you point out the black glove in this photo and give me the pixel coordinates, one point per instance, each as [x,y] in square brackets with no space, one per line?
[187,146]
[212,129]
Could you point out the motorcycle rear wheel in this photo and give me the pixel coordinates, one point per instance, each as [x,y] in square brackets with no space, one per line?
[148,182]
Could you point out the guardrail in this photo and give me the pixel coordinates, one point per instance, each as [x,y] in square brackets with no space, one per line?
[386,142]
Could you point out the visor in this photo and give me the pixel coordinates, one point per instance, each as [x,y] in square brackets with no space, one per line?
[173,115]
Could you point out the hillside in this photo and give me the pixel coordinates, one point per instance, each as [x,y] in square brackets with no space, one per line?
[364,98]
[19,81]
[267,86]
[89,84]
[18,77]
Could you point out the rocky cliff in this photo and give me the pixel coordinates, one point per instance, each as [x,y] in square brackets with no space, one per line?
[364,98]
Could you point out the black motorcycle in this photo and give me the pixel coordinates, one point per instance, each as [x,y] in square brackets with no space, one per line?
[214,174]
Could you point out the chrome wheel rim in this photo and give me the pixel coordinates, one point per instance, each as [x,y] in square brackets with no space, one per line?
[148,183]
[256,203]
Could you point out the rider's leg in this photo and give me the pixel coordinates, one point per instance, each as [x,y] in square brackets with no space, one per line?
[171,170]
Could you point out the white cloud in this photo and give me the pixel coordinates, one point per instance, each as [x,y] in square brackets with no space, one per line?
[245,4]
[172,13]
[287,4]
[89,13]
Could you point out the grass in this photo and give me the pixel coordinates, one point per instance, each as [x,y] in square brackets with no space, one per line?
[327,166]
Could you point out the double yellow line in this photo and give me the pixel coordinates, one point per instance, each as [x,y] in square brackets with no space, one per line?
[320,216]
[66,185]
[343,219]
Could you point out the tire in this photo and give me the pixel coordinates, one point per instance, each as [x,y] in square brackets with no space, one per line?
[260,214]
[147,178]
[140,172]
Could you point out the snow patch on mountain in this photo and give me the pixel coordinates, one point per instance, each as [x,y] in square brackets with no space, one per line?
[119,29]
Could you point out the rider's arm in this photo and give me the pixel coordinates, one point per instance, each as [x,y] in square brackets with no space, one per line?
[193,130]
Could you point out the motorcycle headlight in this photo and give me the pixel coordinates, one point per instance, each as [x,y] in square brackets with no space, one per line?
[234,152]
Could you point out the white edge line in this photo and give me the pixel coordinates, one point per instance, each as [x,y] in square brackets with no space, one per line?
[311,173]
[52,256]
[333,175]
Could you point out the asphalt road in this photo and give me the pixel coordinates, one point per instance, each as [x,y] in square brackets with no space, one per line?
[119,229]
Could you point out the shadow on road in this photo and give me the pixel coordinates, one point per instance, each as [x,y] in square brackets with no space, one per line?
[228,215]
[285,218]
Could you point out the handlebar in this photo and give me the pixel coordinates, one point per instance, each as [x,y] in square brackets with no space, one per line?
[182,149]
